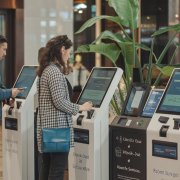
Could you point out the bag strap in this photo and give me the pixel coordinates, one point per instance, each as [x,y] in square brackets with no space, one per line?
[79,77]
[39,106]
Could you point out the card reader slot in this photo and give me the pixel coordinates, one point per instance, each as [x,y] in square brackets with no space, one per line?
[163,131]
[90,113]
[18,104]
[10,110]
[122,121]
[176,123]
[79,120]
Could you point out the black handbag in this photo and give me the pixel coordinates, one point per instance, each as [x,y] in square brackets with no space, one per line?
[55,139]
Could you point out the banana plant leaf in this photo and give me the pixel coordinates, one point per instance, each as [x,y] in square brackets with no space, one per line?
[163,53]
[167,70]
[173,28]
[108,35]
[93,20]
[142,46]
[145,48]
[127,51]
[128,55]
[127,11]
[111,51]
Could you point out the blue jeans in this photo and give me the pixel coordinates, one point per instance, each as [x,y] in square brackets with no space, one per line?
[52,166]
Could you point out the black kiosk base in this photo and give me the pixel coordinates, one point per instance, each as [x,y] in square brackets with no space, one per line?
[128,148]
[128,134]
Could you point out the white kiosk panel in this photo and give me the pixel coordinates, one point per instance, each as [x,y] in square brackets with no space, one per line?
[89,159]
[163,134]
[18,129]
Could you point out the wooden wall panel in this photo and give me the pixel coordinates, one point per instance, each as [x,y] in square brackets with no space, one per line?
[15,34]
[11,4]
[19,41]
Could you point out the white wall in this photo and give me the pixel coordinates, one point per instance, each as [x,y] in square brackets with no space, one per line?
[44,19]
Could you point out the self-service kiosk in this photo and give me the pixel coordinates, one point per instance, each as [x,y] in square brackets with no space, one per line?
[128,134]
[18,129]
[89,159]
[163,134]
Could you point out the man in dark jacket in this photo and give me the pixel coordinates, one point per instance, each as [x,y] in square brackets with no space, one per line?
[4,92]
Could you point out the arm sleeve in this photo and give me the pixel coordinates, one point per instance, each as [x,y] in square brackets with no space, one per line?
[58,92]
[5,94]
[1,84]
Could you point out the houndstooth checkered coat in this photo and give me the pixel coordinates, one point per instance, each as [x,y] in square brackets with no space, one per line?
[55,107]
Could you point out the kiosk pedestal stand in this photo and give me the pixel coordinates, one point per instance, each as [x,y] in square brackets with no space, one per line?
[128,134]
[89,159]
[163,135]
[128,137]
[128,148]
[18,130]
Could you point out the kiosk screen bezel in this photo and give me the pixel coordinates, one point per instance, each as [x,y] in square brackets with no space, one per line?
[24,95]
[171,111]
[149,98]
[146,89]
[114,70]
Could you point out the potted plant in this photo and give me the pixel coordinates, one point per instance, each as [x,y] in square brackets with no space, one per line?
[125,44]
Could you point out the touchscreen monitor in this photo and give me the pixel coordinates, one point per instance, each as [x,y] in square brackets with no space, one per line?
[135,99]
[25,80]
[97,86]
[152,102]
[170,102]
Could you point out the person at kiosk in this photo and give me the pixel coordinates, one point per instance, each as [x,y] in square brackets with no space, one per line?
[4,92]
[55,106]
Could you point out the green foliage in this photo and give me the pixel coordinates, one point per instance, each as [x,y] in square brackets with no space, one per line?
[123,44]
[127,11]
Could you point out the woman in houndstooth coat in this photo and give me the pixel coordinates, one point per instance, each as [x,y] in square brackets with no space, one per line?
[55,107]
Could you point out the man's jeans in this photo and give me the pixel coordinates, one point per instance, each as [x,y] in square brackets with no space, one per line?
[52,166]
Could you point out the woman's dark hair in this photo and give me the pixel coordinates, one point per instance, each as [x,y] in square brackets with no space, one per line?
[3,39]
[51,53]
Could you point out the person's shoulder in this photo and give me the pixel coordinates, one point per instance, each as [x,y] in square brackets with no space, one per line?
[53,71]
[52,68]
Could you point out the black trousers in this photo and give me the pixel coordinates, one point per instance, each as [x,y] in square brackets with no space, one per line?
[52,166]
